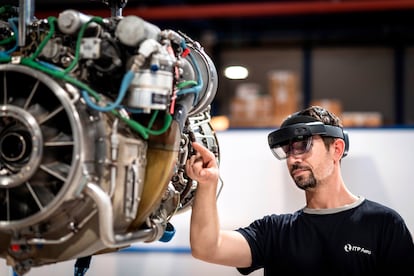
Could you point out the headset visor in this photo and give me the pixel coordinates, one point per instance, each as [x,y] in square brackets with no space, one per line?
[293,147]
[296,138]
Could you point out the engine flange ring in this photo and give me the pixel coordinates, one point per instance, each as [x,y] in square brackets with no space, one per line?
[24,128]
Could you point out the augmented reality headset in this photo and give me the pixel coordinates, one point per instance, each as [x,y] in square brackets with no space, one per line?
[287,133]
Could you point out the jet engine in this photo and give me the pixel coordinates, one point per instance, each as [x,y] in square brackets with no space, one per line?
[97,117]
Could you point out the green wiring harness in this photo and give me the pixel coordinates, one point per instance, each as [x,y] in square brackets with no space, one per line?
[64,75]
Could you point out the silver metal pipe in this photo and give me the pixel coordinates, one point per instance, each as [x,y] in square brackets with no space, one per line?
[116,12]
[114,156]
[116,6]
[26,14]
[63,238]
[106,222]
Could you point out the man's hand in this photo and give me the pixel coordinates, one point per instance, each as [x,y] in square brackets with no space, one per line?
[202,166]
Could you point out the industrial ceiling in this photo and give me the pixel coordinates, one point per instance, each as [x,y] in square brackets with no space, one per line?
[260,23]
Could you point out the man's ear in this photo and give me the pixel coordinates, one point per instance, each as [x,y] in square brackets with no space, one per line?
[339,147]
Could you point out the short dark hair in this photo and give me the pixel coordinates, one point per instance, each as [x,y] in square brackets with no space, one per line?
[321,114]
[326,117]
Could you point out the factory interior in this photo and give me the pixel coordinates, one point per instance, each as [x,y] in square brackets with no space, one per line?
[353,57]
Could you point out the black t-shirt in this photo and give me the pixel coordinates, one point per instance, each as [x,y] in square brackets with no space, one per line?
[366,238]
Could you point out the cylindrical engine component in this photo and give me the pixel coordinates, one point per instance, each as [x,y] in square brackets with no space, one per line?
[132,30]
[70,21]
[150,90]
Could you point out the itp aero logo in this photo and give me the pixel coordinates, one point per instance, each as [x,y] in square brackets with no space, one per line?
[357,249]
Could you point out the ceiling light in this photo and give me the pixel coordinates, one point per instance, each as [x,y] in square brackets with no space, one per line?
[236,72]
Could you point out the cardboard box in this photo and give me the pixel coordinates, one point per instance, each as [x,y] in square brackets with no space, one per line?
[284,90]
[362,119]
[248,90]
[253,112]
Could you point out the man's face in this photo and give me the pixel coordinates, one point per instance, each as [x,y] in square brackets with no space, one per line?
[311,168]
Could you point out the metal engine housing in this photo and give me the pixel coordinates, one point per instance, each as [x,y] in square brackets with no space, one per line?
[97,116]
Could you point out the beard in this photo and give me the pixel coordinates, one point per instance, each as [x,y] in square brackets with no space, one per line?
[304,181]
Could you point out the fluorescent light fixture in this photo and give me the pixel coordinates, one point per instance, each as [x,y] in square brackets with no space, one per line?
[236,72]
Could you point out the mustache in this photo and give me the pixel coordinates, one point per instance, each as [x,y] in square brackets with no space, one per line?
[298,167]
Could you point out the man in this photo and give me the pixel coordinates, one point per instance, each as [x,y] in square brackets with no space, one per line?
[336,233]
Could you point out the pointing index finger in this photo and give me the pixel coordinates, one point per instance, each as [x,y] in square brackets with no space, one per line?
[204,152]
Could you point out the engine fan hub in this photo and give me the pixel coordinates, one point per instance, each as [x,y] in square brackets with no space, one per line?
[20,146]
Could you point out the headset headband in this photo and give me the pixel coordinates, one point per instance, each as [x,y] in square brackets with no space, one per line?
[299,126]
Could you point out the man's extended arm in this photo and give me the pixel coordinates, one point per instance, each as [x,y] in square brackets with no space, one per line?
[208,242]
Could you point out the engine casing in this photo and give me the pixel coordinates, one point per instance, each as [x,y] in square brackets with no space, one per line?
[97,116]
